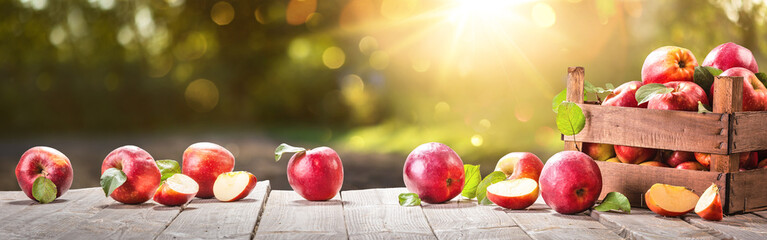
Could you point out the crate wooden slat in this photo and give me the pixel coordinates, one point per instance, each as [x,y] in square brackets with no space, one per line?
[750,134]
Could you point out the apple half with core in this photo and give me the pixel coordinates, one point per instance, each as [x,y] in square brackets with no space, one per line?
[177,190]
[730,55]
[570,182]
[233,186]
[434,171]
[514,194]
[670,201]
[44,174]
[316,174]
[709,205]
[520,165]
[203,162]
[129,175]
[668,64]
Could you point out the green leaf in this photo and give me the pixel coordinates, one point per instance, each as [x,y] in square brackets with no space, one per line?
[284,148]
[614,201]
[610,86]
[762,77]
[570,118]
[112,179]
[491,178]
[558,99]
[409,199]
[704,77]
[702,108]
[44,190]
[471,181]
[647,92]
[168,168]
[590,88]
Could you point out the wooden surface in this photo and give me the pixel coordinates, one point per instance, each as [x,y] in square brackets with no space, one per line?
[748,131]
[356,214]
[575,79]
[728,92]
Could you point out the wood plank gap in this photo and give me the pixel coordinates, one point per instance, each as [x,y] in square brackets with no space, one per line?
[429,223]
[261,213]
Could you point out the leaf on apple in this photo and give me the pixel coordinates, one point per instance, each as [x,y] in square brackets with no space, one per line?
[647,92]
[558,99]
[112,179]
[704,77]
[44,190]
[762,77]
[409,199]
[614,201]
[168,168]
[491,178]
[590,88]
[570,119]
[702,108]
[471,181]
[285,148]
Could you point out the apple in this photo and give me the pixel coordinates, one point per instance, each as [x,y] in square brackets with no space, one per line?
[674,158]
[624,96]
[614,159]
[520,165]
[730,55]
[670,201]
[762,164]
[598,151]
[203,162]
[709,205]
[177,190]
[634,155]
[754,92]
[746,160]
[514,194]
[142,175]
[570,182]
[691,166]
[435,172]
[316,174]
[233,186]
[44,162]
[668,64]
[654,164]
[684,96]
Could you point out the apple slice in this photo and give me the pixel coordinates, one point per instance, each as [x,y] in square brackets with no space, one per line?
[514,194]
[177,190]
[709,206]
[233,186]
[670,201]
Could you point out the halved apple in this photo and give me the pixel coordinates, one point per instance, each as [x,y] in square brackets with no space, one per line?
[709,206]
[514,194]
[177,190]
[670,201]
[233,186]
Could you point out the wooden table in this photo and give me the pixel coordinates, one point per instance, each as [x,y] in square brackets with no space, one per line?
[357,214]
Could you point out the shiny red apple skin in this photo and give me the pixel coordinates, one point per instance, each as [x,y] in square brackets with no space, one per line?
[624,96]
[44,161]
[691,166]
[203,162]
[143,176]
[674,158]
[316,174]
[598,151]
[634,155]
[528,166]
[668,64]
[165,195]
[684,97]
[570,182]
[730,55]
[754,92]
[435,172]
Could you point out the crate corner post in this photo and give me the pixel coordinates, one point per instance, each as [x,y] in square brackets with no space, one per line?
[575,79]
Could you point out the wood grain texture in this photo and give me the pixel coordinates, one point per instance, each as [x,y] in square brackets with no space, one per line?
[465,219]
[634,180]
[14,201]
[575,78]
[746,191]
[376,214]
[728,92]
[644,224]
[289,216]
[743,226]
[51,220]
[123,221]
[748,131]
[541,222]
[213,219]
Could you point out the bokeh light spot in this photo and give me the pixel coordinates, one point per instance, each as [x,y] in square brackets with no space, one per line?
[58,35]
[485,124]
[523,113]
[298,11]
[441,107]
[222,13]
[477,140]
[299,49]
[544,15]
[333,57]
[258,13]
[368,45]
[379,60]
[201,95]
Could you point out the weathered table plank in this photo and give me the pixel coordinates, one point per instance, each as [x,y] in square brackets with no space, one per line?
[743,226]
[645,224]
[212,219]
[541,222]
[288,216]
[122,221]
[13,201]
[465,219]
[376,214]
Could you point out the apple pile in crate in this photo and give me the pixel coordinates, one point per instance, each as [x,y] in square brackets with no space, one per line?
[667,82]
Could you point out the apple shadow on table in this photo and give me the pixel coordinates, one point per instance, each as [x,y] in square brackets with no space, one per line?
[32,202]
[213,200]
[118,205]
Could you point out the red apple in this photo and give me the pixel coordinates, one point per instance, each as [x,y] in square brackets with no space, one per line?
[674,158]
[570,182]
[44,162]
[691,166]
[615,160]
[684,97]
[754,92]
[233,186]
[746,160]
[654,164]
[730,55]
[762,164]
[709,205]
[624,96]
[514,194]
[177,190]
[316,174]
[670,201]
[143,176]
[634,155]
[203,162]
[434,171]
[598,151]
[520,165]
[668,64]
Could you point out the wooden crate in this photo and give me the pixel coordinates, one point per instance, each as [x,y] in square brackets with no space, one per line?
[725,134]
